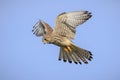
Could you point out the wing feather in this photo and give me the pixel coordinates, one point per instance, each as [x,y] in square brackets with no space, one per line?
[41,28]
[66,23]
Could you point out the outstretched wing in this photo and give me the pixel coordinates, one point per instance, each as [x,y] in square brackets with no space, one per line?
[41,28]
[67,22]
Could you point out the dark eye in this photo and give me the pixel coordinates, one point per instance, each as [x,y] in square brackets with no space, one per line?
[45,39]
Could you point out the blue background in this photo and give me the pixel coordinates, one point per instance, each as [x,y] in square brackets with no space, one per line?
[24,57]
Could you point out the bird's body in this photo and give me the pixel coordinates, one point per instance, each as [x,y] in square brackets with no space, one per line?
[62,35]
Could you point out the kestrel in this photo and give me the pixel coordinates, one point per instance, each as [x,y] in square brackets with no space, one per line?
[63,34]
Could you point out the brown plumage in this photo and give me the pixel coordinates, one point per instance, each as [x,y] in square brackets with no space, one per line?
[62,35]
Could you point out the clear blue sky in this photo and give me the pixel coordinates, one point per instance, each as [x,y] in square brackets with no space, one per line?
[24,57]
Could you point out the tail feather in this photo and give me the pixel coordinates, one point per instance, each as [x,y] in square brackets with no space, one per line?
[82,58]
[64,57]
[69,57]
[74,53]
[61,54]
[86,55]
[80,53]
[78,58]
[74,58]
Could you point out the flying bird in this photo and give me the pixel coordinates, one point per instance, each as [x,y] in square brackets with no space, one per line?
[63,34]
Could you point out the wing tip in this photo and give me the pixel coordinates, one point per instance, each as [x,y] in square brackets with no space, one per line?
[37,28]
[87,12]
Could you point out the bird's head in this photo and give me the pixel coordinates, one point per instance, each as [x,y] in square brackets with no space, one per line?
[46,39]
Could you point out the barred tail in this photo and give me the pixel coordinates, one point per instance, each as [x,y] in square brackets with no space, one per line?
[74,53]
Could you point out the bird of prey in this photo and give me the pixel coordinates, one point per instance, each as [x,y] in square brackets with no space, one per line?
[63,34]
